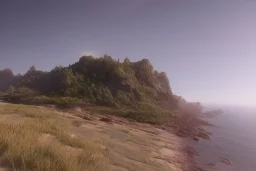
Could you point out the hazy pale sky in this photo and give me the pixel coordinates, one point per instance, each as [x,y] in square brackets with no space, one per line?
[207,47]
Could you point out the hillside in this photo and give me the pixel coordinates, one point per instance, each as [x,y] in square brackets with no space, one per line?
[88,111]
[128,89]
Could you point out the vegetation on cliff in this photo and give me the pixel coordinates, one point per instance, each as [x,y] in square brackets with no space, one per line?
[128,89]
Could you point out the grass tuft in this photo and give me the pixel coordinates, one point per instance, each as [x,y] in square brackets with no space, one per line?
[22,146]
[77,123]
[126,131]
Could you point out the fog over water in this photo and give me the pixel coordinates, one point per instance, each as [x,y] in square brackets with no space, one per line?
[234,138]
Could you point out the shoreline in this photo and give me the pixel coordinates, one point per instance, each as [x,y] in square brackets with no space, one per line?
[205,149]
[197,131]
[185,153]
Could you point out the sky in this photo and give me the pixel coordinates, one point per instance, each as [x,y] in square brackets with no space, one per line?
[207,48]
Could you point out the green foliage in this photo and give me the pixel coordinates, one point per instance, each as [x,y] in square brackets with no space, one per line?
[123,98]
[142,112]
[64,102]
[145,73]
[101,81]
[43,100]
[20,94]
[67,101]
[32,69]
[7,78]
[147,94]
[127,62]
[11,89]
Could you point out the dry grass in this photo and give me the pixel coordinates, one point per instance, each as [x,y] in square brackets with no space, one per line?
[21,147]
[126,131]
[77,123]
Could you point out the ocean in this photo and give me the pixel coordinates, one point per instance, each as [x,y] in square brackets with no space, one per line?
[233,138]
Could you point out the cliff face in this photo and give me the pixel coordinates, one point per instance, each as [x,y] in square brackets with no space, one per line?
[159,82]
[162,84]
[146,75]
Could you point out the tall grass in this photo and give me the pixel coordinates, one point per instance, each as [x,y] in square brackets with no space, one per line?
[22,148]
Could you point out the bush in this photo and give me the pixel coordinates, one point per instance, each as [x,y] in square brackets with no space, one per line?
[42,100]
[62,102]
[122,98]
[133,87]
[67,102]
[144,112]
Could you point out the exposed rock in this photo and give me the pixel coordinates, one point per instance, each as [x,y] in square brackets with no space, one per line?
[211,164]
[105,119]
[85,116]
[196,138]
[102,147]
[191,151]
[77,109]
[203,135]
[226,161]
[163,84]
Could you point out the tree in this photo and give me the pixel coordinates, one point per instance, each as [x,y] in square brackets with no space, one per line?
[32,69]
[127,61]
[6,79]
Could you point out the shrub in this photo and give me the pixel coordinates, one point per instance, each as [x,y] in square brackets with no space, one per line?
[42,100]
[122,98]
